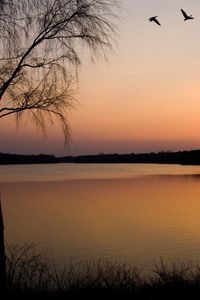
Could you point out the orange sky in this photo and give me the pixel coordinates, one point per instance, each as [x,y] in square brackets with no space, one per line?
[146,99]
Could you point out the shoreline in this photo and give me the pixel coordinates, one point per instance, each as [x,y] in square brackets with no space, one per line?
[191,157]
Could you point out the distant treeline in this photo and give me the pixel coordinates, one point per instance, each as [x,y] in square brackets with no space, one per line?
[12,159]
[191,157]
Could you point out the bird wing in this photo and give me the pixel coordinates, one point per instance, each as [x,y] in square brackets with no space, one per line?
[157,22]
[184,13]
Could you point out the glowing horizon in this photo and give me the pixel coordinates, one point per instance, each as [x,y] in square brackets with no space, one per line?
[146,99]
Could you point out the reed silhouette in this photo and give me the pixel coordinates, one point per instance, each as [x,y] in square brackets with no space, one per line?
[31,274]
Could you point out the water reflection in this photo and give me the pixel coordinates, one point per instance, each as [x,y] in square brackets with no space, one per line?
[138,219]
[61,172]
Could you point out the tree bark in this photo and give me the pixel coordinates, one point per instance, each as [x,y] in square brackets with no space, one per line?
[2,255]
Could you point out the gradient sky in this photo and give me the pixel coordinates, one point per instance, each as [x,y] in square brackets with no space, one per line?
[146,99]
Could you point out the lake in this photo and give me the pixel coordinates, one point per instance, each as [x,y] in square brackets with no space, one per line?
[135,213]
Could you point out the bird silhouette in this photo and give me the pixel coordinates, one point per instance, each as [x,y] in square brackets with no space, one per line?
[153,19]
[186,16]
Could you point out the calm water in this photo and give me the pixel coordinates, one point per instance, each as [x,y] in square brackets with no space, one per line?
[132,213]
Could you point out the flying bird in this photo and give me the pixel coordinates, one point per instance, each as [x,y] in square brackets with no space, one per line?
[186,16]
[153,19]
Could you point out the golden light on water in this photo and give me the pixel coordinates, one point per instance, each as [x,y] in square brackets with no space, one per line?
[136,219]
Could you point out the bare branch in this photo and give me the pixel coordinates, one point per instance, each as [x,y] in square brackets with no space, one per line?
[40,54]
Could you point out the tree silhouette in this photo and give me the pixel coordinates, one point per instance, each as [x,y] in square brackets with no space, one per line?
[41,42]
[40,45]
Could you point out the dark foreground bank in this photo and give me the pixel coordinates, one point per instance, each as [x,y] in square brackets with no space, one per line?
[191,157]
[32,275]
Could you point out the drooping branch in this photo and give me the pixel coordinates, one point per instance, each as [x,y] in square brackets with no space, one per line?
[40,53]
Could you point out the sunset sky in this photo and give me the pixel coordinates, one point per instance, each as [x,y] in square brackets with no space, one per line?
[147,98]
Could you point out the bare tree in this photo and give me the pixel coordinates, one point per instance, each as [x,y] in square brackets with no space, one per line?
[41,42]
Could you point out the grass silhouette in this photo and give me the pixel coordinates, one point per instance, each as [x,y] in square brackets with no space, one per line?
[31,274]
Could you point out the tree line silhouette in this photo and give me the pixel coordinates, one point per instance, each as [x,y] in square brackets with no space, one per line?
[191,157]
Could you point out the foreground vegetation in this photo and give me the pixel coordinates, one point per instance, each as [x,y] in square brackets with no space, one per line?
[32,275]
